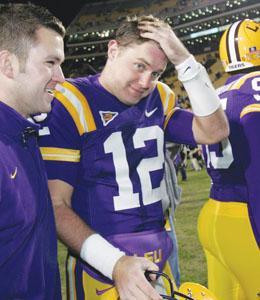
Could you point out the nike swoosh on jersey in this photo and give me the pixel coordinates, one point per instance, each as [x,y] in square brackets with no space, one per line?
[101,292]
[148,114]
[13,175]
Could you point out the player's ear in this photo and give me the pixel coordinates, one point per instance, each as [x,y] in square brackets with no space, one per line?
[9,64]
[113,49]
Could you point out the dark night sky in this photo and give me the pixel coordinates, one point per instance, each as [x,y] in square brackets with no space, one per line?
[66,10]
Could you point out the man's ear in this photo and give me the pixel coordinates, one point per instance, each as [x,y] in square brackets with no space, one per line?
[112,49]
[9,64]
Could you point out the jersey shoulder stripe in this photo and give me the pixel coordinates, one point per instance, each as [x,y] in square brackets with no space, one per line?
[237,84]
[169,115]
[77,106]
[249,109]
[60,154]
[167,97]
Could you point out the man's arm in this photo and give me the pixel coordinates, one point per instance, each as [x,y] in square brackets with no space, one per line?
[210,129]
[127,272]
[72,231]
[209,123]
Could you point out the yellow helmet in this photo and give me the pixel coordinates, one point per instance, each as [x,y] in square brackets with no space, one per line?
[239,46]
[196,291]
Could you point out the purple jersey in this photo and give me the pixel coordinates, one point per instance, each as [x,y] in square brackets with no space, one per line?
[28,243]
[234,164]
[112,154]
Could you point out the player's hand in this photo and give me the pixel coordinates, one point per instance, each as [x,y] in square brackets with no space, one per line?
[130,280]
[163,34]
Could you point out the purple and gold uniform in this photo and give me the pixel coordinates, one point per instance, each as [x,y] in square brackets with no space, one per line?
[28,242]
[229,223]
[113,156]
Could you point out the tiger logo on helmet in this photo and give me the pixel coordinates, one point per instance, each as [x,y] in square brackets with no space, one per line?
[240,46]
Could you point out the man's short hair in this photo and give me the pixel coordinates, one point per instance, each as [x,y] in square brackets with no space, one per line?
[19,23]
[128,32]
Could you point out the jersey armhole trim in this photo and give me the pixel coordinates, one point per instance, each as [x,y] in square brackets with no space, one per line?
[60,154]
[250,108]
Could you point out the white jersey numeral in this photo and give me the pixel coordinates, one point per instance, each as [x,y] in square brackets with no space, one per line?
[256,87]
[148,165]
[127,198]
[220,162]
[114,144]
[225,160]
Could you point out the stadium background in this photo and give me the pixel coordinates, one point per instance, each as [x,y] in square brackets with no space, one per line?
[198,23]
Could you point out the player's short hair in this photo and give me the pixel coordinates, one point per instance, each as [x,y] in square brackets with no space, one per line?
[128,32]
[19,23]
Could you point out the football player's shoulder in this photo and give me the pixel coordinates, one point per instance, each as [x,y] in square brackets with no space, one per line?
[72,95]
[227,86]
[73,90]
[167,96]
[250,109]
[164,89]
[80,81]
[72,84]
[248,84]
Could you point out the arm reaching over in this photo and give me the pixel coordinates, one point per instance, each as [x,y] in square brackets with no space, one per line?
[126,271]
[209,124]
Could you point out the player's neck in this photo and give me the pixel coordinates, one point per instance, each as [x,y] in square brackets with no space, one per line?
[106,81]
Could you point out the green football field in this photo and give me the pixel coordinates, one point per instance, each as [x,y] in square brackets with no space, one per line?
[192,262]
[191,257]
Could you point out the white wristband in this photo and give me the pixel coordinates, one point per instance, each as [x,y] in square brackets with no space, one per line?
[187,69]
[194,77]
[100,254]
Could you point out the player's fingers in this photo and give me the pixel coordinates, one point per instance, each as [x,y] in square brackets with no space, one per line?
[148,291]
[139,291]
[153,26]
[155,33]
[148,35]
[149,265]
[148,27]
[150,276]
[126,293]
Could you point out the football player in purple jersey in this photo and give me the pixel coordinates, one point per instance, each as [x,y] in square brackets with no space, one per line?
[31,51]
[105,159]
[229,223]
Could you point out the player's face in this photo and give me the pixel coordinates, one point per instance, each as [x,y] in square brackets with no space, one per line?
[135,70]
[41,73]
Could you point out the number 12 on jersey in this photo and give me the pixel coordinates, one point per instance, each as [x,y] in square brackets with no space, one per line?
[114,144]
